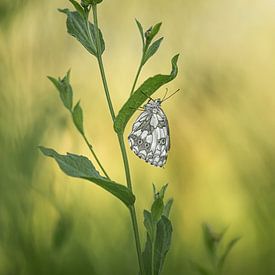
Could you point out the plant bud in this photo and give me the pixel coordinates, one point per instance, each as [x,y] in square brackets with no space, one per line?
[147,34]
[86,3]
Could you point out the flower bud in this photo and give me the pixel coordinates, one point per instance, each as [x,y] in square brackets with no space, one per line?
[86,3]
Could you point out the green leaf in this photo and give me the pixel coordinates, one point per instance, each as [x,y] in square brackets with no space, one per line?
[141,32]
[150,86]
[151,50]
[77,26]
[227,250]
[78,8]
[162,243]
[211,239]
[157,209]
[167,208]
[65,90]
[78,117]
[161,248]
[149,224]
[161,193]
[81,167]
[152,32]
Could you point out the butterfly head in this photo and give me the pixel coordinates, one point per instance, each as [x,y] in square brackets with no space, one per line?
[153,105]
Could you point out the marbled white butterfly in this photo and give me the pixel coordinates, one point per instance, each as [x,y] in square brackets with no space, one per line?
[150,139]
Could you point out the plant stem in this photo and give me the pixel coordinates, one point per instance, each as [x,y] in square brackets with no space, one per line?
[136,78]
[120,139]
[95,156]
[93,152]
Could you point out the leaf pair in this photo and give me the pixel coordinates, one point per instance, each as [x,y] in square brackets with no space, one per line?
[159,234]
[66,94]
[149,49]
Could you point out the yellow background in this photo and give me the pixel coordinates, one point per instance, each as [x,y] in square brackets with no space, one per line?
[221,167]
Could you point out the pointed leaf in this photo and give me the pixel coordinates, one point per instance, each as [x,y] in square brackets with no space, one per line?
[78,117]
[147,256]
[151,33]
[148,87]
[83,31]
[162,243]
[140,31]
[227,250]
[81,167]
[167,208]
[151,50]
[149,224]
[65,90]
[161,193]
[78,8]
[157,208]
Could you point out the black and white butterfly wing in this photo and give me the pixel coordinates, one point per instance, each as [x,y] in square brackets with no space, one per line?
[150,138]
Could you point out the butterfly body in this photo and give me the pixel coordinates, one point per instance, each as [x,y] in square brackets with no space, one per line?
[150,138]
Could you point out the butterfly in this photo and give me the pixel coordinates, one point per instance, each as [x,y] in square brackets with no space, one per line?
[150,137]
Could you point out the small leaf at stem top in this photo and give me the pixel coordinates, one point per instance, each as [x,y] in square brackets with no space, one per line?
[141,32]
[65,89]
[151,33]
[151,50]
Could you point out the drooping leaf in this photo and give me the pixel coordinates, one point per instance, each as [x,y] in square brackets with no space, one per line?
[140,31]
[150,86]
[227,250]
[78,117]
[83,31]
[81,167]
[65,89]
[151,50]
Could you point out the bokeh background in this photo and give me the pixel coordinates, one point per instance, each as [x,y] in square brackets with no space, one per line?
[221,167]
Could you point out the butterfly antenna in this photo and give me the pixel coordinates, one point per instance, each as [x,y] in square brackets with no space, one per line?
[165,95]
[171,95]
[146,95]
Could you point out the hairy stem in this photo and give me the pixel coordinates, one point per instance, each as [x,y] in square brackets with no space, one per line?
[120,139]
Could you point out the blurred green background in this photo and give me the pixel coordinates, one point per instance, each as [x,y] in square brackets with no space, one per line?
[221,167]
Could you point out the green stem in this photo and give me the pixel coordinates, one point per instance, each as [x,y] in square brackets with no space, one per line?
[120,139]
[136,78]
[93,152]
[95,156]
